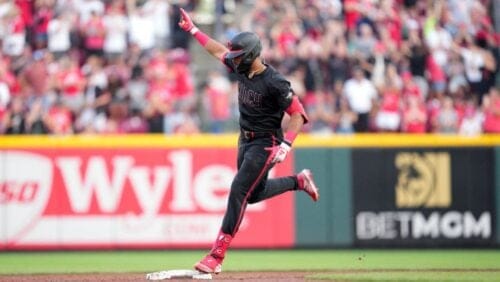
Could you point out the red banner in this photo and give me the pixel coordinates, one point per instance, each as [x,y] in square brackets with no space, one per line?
[130,198]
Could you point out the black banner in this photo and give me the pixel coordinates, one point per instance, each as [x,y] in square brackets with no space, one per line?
[415,197]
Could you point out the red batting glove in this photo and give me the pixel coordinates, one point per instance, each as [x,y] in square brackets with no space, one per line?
[186,23]
[278,153]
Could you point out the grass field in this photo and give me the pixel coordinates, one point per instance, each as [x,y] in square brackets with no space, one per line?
[338,265]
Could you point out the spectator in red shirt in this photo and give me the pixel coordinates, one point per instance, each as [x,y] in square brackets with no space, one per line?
[218,101]
[43,14]
[160,97]
[94,34]
[410,88]
[60,119]
[353,13]
[436,76]
[26,10]
[180,74]
[414,116]
[388,117]
[390,20]
[286,33]
[491,105]
[71,84]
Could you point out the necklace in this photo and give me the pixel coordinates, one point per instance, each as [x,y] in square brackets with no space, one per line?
[258,71]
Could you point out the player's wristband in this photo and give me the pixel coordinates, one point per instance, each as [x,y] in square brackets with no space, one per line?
[200,36]
[290,137]
[194,30]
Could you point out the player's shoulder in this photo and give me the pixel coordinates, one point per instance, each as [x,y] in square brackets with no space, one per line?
[274,76]
[276,81]
[273,73]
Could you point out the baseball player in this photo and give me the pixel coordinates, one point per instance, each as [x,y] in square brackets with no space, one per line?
[264,96]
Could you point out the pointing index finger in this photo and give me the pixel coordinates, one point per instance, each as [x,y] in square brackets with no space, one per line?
[183,13]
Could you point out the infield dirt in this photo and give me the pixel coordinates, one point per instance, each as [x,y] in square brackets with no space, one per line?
[225,276]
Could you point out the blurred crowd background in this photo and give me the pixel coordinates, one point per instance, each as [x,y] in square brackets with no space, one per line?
[124,66]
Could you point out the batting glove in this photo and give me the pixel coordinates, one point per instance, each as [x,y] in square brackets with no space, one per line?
[186,23]
[278,153]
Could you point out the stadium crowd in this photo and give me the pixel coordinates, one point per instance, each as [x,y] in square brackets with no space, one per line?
[124,66]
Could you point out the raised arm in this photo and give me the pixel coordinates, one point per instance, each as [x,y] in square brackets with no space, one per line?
[214,47]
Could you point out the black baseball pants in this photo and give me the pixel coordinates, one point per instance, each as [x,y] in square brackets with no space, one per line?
[251,183]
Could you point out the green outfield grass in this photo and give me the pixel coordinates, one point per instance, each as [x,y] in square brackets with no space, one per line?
[346,265]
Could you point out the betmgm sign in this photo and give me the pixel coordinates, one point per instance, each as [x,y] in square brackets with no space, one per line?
[417,197]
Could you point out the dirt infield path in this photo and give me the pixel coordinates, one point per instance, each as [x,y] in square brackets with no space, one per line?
[228,276]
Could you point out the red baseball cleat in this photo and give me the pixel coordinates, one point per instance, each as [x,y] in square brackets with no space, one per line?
[212,263]
[209,264]
[306,183]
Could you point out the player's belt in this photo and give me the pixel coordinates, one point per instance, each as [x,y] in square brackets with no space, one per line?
[256,134]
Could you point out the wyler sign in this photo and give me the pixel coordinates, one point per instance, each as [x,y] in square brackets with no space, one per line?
[129,198]
[423,197]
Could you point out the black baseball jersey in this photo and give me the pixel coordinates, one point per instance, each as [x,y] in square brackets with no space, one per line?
[262,99]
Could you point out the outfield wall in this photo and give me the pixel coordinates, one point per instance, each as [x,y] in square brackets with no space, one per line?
[152,191]
[401,197]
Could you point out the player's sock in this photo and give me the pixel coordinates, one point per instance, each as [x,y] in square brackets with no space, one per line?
[221,245]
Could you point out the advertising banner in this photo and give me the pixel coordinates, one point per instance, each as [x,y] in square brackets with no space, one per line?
[130,198]
[414,197]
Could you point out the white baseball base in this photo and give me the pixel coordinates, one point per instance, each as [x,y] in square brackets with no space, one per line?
[178,273]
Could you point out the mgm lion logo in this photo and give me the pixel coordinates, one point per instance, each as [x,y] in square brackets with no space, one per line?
[423,180]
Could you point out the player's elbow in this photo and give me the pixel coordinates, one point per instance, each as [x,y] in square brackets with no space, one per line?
[297,118]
